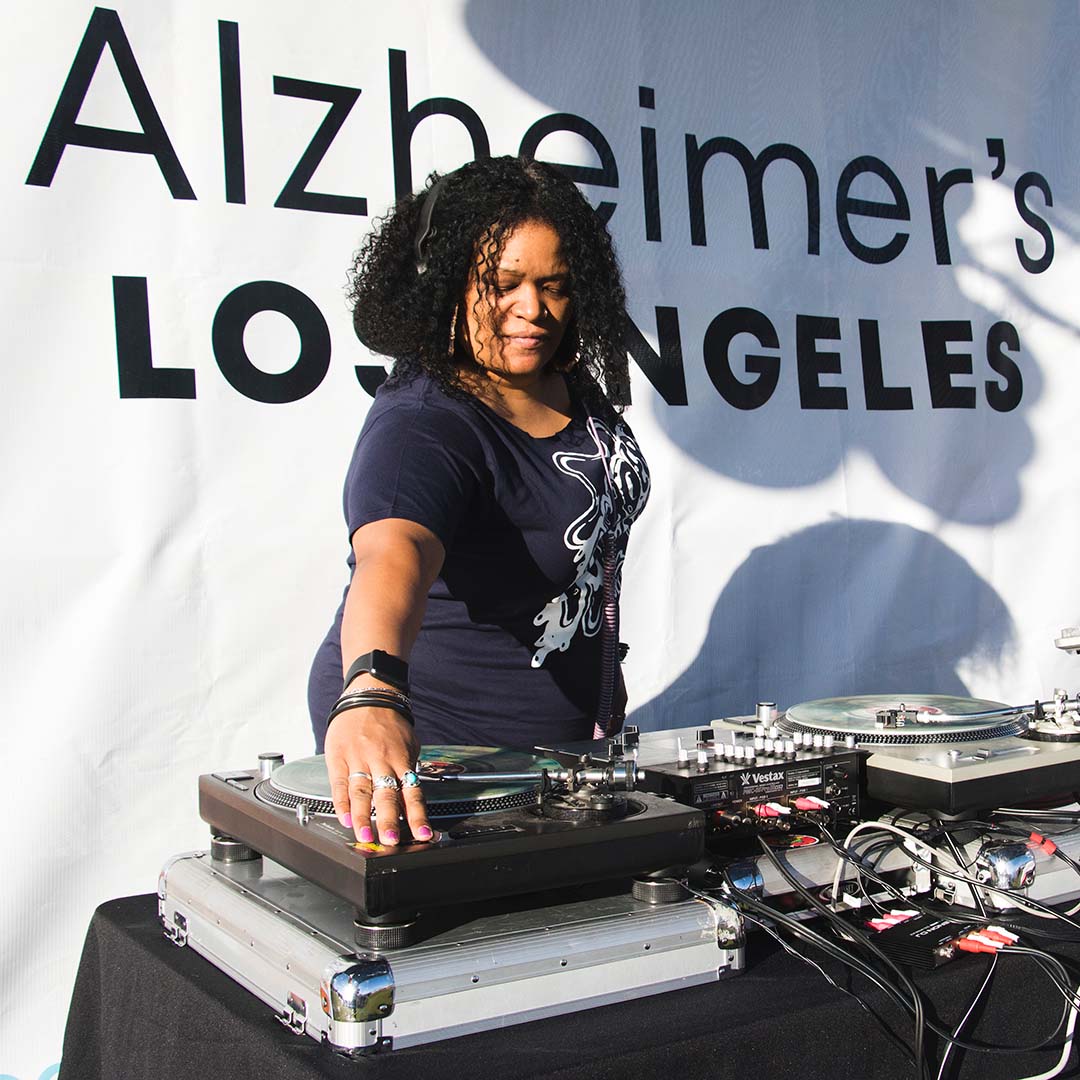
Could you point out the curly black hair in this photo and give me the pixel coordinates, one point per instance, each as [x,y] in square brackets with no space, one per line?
[407,311]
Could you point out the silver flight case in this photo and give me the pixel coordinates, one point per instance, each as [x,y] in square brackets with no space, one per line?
[291,944]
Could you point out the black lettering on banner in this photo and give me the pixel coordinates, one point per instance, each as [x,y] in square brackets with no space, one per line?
[104,30]
[370,377]
[404,121]
[134,363]
[812,364]
[650,183]
[294,195]
[754,170]
[936,187]
[995,150]
[606,175]
[846,206]
[1002,336]
[664,369]
[232,117]
[942,365]
[230,321]
[718,337]
[878,395]
[1023,185]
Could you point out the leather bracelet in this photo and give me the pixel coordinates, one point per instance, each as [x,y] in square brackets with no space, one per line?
[362,701]
[379,691]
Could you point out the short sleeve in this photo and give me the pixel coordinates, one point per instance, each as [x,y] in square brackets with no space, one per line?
[416,462]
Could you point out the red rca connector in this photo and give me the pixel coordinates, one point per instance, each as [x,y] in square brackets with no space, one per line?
[967,945]
[810,803]
[765,811]
[999,933]
[984,939]
[1043,842]
[890,918]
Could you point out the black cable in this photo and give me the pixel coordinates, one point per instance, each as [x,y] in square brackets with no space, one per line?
[856,963]
[868,853]
[1054,969]
[1057,853]
[953,913]
[1047,815]
[765,924]
[971,882]
[799,930]
[848,929]
[964,1019]
[824,944]
[1045,909]
[857,860]
[921,1063]
[960,862]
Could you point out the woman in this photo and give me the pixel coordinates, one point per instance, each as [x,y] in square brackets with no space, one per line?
[490,493]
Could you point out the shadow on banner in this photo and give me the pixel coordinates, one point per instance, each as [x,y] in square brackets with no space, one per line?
[845,607]
[945,323]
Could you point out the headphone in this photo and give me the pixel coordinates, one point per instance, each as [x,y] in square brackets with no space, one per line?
[423,227]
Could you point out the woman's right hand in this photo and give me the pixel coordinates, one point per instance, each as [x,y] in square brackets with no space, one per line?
[396,563]
[365,745]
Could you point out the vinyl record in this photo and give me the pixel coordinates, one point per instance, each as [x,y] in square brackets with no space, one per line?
[932,718]
[305,780]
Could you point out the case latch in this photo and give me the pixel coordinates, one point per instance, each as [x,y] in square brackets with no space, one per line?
[295,1015]
[176,931]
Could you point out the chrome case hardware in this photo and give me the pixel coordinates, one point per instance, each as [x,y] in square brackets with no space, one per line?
[1008,865]
[357,993]
[746,877]
[176,931]
[359,988]
[730,935]
[176,928]
[295,1015]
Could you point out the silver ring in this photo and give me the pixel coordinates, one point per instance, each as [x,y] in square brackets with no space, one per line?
[388,782]
[366,776]
[410,779]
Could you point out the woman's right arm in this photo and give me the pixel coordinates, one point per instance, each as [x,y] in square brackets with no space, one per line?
[396,562]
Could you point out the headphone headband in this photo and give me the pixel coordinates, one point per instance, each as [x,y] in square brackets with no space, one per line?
[423,226]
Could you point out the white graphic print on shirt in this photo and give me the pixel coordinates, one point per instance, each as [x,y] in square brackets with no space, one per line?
[610,513]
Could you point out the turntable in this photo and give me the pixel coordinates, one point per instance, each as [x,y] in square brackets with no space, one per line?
[520,907]
[952,754]
[508,823]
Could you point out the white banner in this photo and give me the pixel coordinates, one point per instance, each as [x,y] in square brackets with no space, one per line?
[849,234]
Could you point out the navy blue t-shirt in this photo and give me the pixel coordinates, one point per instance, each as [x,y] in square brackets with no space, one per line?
[509,651]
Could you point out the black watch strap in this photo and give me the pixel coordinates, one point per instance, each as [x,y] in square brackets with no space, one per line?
[386,667]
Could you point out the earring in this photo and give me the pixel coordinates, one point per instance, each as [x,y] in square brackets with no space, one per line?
[453,333]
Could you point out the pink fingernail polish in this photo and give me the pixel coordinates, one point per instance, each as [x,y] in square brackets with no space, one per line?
[346,820]
[424,833]
[390,836]
[366,835]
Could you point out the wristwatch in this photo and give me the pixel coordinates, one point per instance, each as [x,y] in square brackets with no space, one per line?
[386,667]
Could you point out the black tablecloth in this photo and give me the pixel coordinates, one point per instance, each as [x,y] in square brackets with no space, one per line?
[144,1008]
